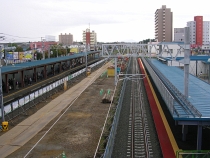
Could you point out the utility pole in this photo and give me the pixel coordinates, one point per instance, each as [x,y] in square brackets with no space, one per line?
[57,51]
[43,53]
[86,58]
[49,51]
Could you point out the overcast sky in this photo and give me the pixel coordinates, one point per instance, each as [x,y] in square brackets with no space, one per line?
[112,20]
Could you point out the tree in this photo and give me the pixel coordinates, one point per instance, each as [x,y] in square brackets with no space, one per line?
[29,48]
[146,41]
[19,49]
[39,55]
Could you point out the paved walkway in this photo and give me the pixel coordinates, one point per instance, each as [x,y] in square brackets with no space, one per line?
[24,131]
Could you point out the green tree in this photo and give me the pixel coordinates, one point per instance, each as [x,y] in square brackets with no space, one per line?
[19,49]
[46,54]
[146,41]
[29,48]
[39,55]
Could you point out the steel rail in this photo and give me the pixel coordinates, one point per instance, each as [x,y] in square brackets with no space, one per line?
[139,134]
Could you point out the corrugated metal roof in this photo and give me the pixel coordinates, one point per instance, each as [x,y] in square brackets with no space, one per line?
[203,58]
[171,43]
[17,67]
[199,90]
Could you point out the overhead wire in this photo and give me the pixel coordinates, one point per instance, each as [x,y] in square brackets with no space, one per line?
[19,36]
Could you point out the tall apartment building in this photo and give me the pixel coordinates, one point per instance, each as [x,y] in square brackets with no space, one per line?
[163,24]
[199,31]
[178,34]
[66,39]
[206,32]
[192,28]
[90,39]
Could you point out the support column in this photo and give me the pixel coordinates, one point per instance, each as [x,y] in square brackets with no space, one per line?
[6,83]
[22,79]
[60,67]
[150,49]
[1,98]
[196,68]
[186,61]
[184,132]
[160,49]
[186,72]
[209,74]
[14,81]
[45,71]
[53,69]
[35,75]
[115,64]
[70,64]
[199,137]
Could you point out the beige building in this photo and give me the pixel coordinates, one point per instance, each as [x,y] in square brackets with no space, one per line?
[66,39]
[163,24]
[89,39]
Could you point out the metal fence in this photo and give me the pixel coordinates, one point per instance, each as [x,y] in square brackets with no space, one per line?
[166,95]
[110,143]
[22,104]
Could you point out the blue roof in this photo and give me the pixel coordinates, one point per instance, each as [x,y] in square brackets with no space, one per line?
[35,63]
[203,58]
[171,43]
[199,90]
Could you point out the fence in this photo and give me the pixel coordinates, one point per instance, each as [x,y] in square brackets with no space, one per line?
[110,143]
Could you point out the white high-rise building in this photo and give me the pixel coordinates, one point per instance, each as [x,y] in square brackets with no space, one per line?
[199,31]
[206,32]
[192,27]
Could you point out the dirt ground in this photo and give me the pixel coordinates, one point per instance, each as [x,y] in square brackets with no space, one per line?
[77,132]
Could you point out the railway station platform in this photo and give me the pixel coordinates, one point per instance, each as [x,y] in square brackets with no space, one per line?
[166,139]
[191,110]
[16,137]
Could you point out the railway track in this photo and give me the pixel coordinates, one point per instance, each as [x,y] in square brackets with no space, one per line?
[139,144]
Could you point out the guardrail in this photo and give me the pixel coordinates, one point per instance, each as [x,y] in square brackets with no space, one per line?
[166,95]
